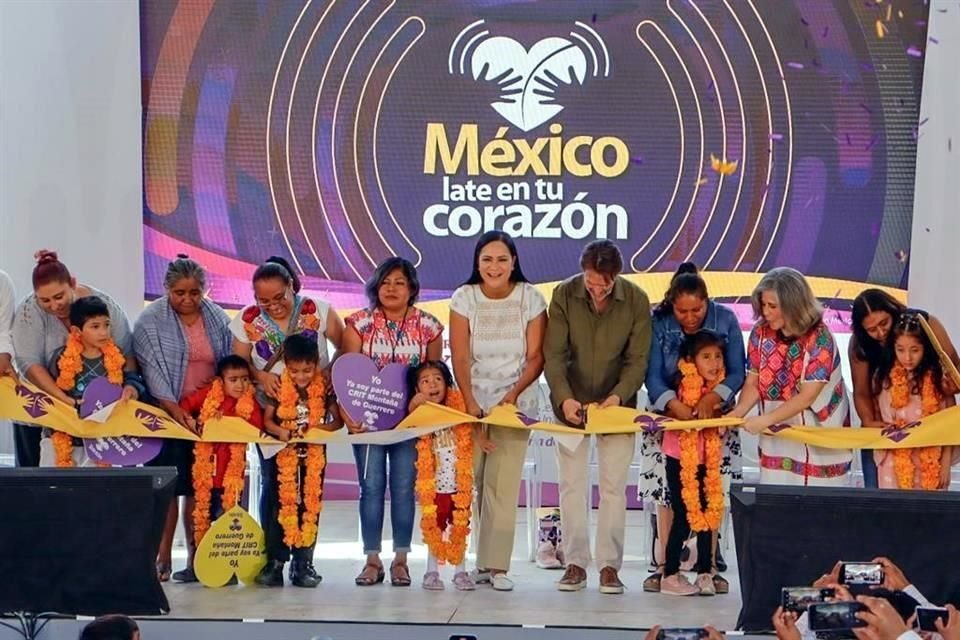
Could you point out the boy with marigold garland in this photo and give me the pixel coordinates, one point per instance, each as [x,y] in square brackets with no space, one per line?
[444,477]
[218,467]
[90,353]
[693,460]
[294,499]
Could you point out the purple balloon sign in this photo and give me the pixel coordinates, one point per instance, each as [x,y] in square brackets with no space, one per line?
[376,398]
[98,395]
[122,451]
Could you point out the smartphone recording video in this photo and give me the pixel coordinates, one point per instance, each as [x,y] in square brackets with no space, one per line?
[682,634]
[927,617]
[861,573]
[835,616]
[799,599]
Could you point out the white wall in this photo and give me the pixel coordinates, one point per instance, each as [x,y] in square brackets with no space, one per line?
[70,141]
[936,218]
[70,144]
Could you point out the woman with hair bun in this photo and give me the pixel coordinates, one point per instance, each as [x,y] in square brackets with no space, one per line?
[685,310]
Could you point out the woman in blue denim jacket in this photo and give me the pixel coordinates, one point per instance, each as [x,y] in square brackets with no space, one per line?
[687,309]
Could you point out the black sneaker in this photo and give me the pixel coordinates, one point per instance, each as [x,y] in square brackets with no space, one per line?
[271,575]
[303,574]
[185,575]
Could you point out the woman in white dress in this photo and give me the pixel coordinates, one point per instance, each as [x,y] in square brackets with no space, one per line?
[497,324]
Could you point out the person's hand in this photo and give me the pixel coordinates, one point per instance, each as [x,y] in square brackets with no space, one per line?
[417,400]
[572,411]
[129,393]
[510,397]
[653,633]
[883,621]
[945,478]
[829,579]
[756,424]
[485,443]
[679,411]
[270,383]
[709,406]
[713,633]
[352,425]
[193,425]
[180,416]
[951,630]
[785,624]
[283,435]
[948,386]
[473,408]
[6,367]
[893,577]
[611,401]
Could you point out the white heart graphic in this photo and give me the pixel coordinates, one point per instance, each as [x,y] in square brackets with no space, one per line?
[528,79]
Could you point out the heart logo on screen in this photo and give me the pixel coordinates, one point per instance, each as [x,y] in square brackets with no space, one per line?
[528,79]
[233,546]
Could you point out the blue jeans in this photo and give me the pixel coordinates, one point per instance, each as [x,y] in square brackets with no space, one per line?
[869,467]
[373,476]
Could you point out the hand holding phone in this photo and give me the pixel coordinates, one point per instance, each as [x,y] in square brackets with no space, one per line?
[927,618]
[682,633]
[799,599]
[861,573]
[836,616]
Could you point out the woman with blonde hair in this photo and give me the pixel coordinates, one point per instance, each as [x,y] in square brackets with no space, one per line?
[793,378]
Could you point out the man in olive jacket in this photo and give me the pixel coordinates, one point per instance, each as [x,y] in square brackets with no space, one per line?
[596,349]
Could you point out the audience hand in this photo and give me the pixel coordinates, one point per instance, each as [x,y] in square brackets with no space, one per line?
[951,630]
[785,625]
[713,633]
[828,579]
[893,578]
[883,621]
[653,633]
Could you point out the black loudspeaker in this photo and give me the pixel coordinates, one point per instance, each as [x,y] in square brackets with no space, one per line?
[790,536]
[82,541]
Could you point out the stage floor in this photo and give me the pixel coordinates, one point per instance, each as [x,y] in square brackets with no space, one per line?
[535,601]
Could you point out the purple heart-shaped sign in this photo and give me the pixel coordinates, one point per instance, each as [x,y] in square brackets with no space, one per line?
[123,451]
[376,398]
[99,394]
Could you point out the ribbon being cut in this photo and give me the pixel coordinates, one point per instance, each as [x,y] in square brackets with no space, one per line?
[24,403]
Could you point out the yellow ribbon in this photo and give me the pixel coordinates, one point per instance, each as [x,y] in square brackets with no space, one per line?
[22,402]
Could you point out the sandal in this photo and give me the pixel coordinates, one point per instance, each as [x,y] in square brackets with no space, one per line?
[164,569]
[720,584]
[399,575]
[367,579]
[652,583]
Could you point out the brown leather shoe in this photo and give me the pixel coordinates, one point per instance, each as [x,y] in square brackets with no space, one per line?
[574,579]
[610,581]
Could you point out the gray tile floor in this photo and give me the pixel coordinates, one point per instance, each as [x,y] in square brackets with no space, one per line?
[534,602]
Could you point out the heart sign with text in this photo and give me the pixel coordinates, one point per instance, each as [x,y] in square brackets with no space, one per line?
[376,398]
[233,546]
[99,395]
[100,398]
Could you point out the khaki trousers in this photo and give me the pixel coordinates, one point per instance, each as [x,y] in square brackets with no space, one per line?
[614,455]
[497,479]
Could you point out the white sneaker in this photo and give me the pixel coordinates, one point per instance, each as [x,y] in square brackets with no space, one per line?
[705,584]
[678,585]
[501,582]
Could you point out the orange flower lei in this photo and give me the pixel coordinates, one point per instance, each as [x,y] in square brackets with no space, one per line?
[929,456]
[454,547]
[70,365]
[203,465]
[691,391]
[288,462]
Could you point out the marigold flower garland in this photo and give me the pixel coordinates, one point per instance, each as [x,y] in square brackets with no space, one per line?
[454,547]
[929,457]
[71,365]
[203,465]
[692,388]
[304,533]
